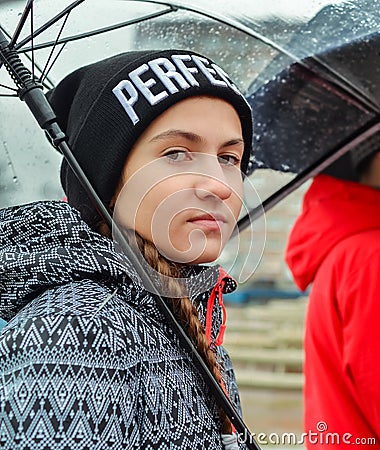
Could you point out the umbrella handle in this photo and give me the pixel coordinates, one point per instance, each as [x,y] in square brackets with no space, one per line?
[32,93]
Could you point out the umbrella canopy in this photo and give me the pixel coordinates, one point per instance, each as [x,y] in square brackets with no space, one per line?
[253,41]
[303,110]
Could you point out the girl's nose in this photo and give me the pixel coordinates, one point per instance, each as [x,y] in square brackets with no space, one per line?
[212,183]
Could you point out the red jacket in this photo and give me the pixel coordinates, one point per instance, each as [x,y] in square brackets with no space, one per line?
[335,245]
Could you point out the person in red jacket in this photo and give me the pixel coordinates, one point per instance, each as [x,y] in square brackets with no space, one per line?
[335,245]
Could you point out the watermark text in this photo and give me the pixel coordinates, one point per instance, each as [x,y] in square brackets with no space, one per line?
[321,436]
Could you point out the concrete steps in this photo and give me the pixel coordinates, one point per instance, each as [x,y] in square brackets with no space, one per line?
[265,343]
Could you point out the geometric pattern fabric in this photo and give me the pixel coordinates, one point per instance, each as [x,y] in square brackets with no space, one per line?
[79,373]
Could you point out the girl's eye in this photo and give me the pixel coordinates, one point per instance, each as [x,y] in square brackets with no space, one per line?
[229,160]
[178,155]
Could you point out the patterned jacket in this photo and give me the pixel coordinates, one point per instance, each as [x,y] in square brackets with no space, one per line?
[87,360]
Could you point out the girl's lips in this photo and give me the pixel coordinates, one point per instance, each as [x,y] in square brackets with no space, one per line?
[208,222]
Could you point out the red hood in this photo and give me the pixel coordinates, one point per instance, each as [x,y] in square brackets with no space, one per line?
[332,211]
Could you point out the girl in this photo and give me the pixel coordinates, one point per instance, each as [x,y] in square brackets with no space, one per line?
[87,358]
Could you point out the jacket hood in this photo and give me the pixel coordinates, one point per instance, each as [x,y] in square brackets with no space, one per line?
[47,244]
[332,211]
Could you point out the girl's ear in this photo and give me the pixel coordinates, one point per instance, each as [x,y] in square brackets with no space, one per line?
[112,203]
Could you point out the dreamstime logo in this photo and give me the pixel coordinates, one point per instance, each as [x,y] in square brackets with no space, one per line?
[321,426]
[188,210]
[321,436]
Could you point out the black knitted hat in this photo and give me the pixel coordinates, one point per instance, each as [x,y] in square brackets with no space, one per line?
[104,108]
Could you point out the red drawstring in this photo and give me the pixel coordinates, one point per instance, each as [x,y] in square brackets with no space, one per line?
[209,310]
[218,288]
[220,337]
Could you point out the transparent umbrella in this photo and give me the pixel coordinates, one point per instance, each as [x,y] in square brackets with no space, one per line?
[302,67]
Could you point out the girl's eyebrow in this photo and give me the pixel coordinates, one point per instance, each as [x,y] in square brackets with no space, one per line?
[193,137]
[233,142]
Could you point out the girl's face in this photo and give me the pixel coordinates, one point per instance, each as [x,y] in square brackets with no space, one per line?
[182,185]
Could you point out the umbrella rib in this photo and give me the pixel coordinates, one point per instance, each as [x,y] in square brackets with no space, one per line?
[100,30]
[52,64]
[355,139]
[8,87]
[53,48]
[344,84]
[48,24]
[21,23]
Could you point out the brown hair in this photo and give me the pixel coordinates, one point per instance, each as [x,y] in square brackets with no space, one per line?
[183,309]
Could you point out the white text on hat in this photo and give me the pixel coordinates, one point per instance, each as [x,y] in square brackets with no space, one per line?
[174,75]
